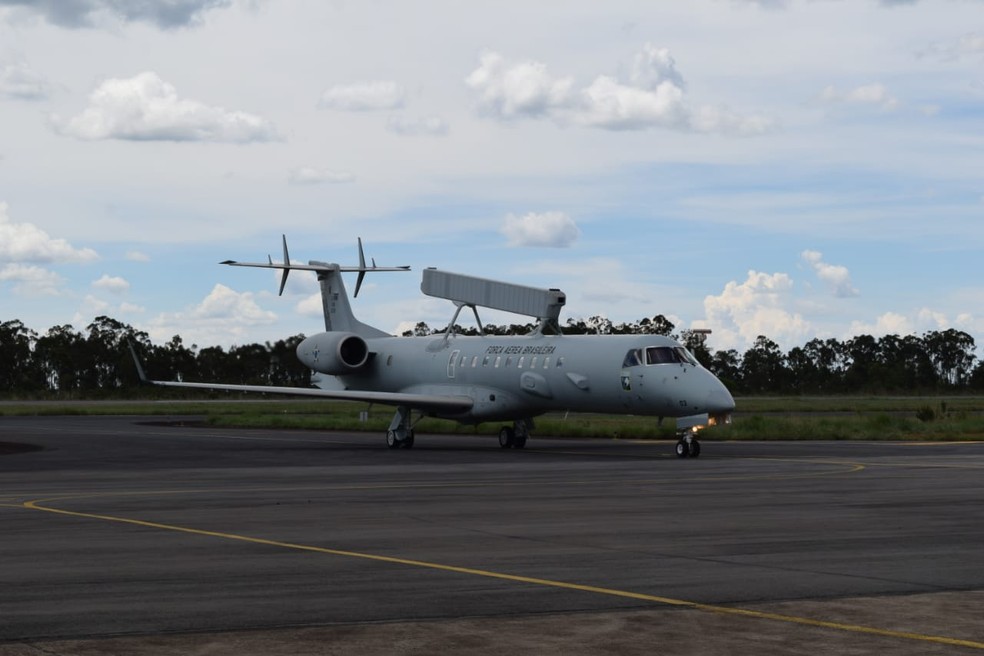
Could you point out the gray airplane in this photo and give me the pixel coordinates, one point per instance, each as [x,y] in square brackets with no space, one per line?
[487,378]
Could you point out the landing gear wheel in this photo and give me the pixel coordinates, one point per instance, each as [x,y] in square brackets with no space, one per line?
[408,442]
[507,437]
[391,440]
[682,450]
[694,449]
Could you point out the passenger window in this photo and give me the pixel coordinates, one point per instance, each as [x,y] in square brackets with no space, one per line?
[509,361]
[533,362]
[546,362]
[522,359]
[389,361]
[474,361]
[485,361]
[498,359]
[560,362]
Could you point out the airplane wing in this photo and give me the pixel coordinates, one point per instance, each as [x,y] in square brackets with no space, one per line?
[425,402]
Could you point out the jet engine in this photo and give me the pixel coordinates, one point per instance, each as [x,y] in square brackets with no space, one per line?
[334,353]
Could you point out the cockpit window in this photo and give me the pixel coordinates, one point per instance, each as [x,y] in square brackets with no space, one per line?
[632,358]
[669,355]
[686,355]
[660,355]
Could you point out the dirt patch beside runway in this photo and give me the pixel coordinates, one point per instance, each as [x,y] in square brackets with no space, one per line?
[934,623]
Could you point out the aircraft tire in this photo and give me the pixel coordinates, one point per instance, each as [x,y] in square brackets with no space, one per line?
[694,450]
[681,449]
[408,442]
[507,437]
[391,440]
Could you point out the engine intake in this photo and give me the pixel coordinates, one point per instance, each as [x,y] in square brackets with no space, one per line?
[334,353]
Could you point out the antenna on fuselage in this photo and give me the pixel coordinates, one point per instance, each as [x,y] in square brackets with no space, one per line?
[469,291]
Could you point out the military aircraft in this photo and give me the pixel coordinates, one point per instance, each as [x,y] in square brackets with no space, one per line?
[485,378]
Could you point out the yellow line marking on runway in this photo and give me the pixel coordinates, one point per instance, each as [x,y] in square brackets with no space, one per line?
[669,601]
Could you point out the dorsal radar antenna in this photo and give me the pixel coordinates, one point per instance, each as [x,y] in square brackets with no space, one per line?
[318,267]
[470,291]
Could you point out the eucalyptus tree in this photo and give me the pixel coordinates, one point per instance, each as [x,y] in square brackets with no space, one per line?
[763,367]
[19,370]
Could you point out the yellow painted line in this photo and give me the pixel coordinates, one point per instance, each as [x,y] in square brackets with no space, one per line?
[710,608]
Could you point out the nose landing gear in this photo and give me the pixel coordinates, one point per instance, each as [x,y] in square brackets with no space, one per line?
[687,445]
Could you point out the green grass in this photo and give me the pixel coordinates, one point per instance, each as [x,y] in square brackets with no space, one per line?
[757,418]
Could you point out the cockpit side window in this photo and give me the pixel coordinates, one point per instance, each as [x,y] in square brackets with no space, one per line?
[686,355]
[632,358]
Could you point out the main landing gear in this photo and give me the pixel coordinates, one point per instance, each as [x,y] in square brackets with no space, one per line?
[515,436]
[399,435]
[687,445]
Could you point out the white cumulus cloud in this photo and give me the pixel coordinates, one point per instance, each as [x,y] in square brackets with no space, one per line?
[890,323]
[653,96]
[25,242]
[836,276]
[225,304]
[29,280]
[917,322]
[757,306]
[225,317]
[364,96]
[146,108]
[524,89]
[553,229]
[112,284]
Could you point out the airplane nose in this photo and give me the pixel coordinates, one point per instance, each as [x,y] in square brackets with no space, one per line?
[719,399]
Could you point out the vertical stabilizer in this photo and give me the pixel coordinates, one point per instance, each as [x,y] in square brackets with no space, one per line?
[336,306]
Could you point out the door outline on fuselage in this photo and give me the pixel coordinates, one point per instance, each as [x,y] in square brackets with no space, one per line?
[451,362]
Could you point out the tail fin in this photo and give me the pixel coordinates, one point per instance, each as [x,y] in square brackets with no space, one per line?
[334,298]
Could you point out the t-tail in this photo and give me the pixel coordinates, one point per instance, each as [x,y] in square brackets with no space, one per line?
[334,298]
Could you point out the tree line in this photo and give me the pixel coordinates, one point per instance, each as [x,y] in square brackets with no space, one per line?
[95,362]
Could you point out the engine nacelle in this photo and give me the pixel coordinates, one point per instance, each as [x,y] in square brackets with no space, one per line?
[334,353]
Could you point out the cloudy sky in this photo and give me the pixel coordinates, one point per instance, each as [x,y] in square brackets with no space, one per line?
[792,168]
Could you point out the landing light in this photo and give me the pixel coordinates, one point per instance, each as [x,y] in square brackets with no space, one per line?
[719,419]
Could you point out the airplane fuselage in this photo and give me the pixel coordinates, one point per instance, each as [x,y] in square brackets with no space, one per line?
[506,377]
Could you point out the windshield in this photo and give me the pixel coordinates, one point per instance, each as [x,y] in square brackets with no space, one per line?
[669,355]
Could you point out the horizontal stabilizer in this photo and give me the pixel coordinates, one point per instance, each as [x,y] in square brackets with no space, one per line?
[318,267]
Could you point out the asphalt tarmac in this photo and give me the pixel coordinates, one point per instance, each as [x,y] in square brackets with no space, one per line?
[132,535]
